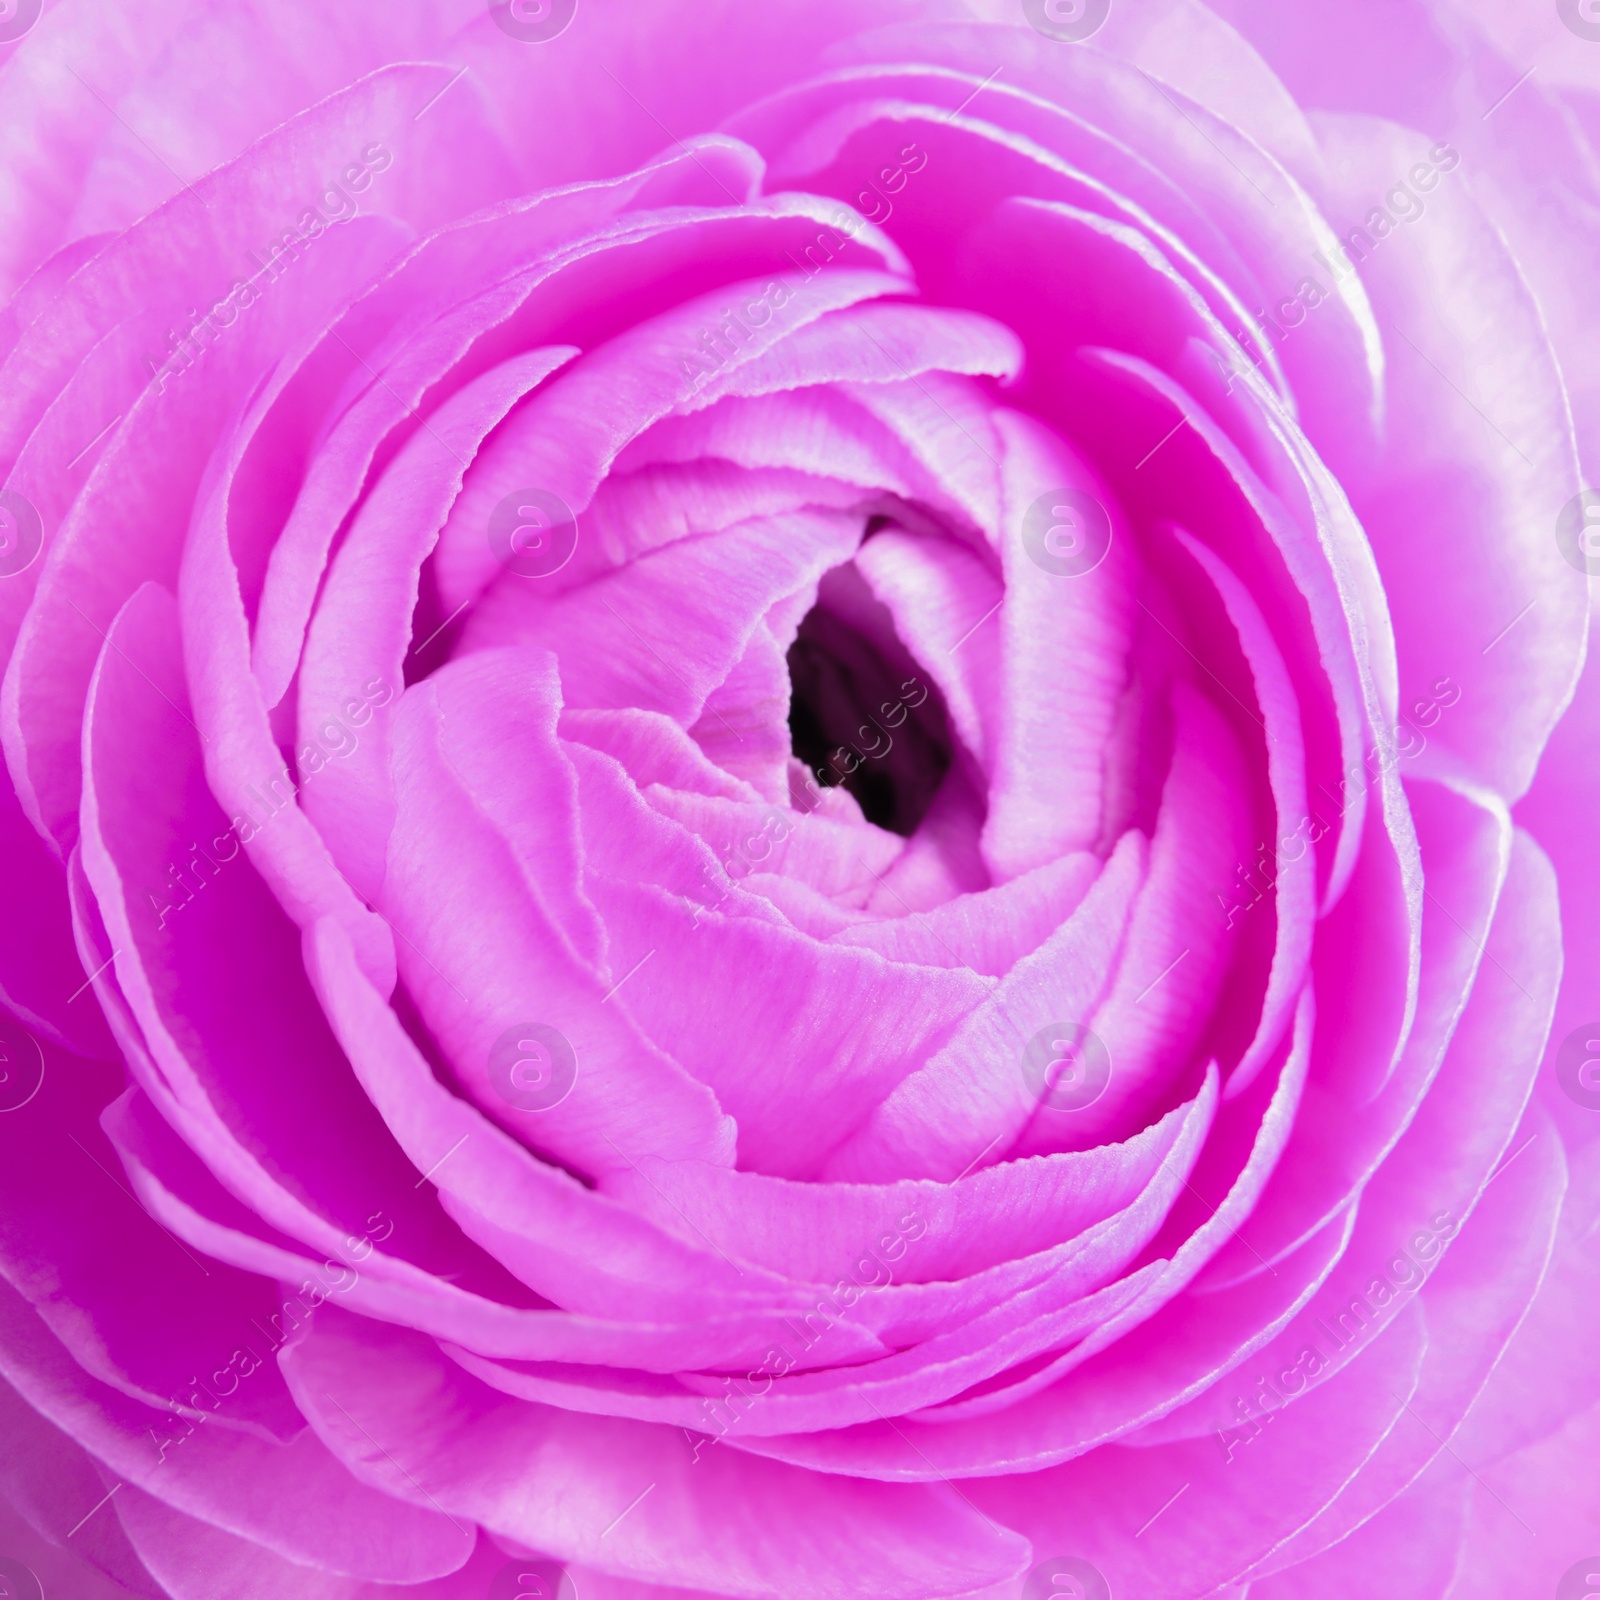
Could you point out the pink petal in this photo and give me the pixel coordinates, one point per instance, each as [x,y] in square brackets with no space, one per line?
[971,1099]
[628,1096]
[722,1522]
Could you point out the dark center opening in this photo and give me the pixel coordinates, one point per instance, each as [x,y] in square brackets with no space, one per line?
[864,715]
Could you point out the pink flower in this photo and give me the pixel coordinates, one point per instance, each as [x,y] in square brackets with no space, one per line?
[779,819]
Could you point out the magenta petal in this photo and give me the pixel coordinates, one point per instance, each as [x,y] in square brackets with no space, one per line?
[815,1232]
[722,1522]
[793,1277]
[580,1249]
[942,596]
[673,921]
[1415,1542]
[1078,1402]
[1335,1148]
[840,857]
[294,1498]
[872,343]
[173,1186]
[42,982]
[420,362]
[716,587]
[972,1097]
[1070,155]
[1420,1199]
[55,1483]
[57,1567]
[353,664]
[989,930]
[1041,1317]
[1047,770]
[121,532]
[191,1558]
[1152,1017]
[1472,1306]
[1293,874]
[237,1055]
[1231,1509]
[1539,1384]
[817,433]
[628,1096]
[1482,465]
[122,1296]
[947,427]
[564,442]
[244,765]
[1543,1487]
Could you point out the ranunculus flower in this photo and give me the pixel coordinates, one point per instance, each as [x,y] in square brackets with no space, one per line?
[759,836]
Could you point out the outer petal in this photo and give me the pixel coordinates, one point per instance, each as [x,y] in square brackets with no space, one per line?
[566,1483]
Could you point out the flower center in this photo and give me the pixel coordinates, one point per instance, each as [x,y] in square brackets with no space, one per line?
[864,715]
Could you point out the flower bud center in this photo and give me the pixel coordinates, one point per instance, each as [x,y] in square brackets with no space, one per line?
[864,715]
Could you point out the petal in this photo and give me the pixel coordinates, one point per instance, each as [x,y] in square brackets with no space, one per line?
[1480,463]
[504,256]
[296,1498]
[127,1302]
[1060,636]
[1345,1136]
[941,596]
[575,1245]
[878,1019]
[972,1096]
[817,1232]
[361,634]
[567,439]
[450,866]
[1132,1516]
[1152,1021]
[1448,1157]
[55,1484]
[557,1482]
[1414,1542]
[1472,1306]
[1532,1516]
[236,1053]
[1293,875]
[607,635]
[58,1569]
[122,532]
[1542,1380]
